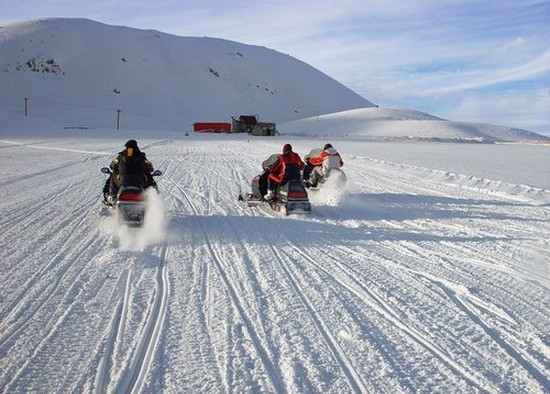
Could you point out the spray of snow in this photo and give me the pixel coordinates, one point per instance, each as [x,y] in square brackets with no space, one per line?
[154,225]
[153,230]
[332,192]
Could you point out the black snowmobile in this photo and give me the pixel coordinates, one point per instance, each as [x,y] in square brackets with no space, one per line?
[129,202]
[290,198]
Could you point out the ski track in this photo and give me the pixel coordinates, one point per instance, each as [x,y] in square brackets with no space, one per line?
[409,285]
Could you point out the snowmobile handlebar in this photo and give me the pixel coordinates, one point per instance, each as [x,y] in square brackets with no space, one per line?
[107,170]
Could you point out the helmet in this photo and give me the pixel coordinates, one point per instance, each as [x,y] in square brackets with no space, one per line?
[131,144]
[327,146]
[287,148]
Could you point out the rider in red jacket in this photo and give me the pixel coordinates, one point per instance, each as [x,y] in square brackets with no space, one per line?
[328,150]
[287,167]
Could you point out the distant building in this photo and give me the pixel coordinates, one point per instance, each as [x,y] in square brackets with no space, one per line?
[250,124]
[244,124]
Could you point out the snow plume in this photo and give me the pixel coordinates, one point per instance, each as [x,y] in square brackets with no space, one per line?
[332,192]
[154,225]
[152,232]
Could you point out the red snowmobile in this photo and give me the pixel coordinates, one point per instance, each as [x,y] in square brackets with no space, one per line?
[290,198]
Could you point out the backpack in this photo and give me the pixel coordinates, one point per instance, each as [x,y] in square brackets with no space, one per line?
[131,166]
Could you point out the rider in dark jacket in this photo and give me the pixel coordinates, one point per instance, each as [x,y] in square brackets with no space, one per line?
[267,164]
[131,166]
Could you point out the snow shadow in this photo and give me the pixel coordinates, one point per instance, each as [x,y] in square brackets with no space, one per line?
[400,207]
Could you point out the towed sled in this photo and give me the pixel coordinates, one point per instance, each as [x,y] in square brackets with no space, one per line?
[290,198]
[130,201]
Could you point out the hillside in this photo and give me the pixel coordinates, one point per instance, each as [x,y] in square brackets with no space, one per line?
[405,125]
[70,68]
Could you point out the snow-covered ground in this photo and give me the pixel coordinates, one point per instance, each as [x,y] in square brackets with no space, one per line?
[431,275]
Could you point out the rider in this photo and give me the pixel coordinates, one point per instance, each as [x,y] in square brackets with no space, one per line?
[267,164]
[132,166]
[287,167]
[319,163]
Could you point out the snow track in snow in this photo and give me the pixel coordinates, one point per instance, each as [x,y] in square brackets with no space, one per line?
[221,265]
[376,303]
[133,379]
[414,283]
[352,376]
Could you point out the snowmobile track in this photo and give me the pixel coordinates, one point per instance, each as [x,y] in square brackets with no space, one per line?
[475,312]
[115,330]
[17,307]
[376,303]
[418,281]
[353,377]
[232,290]
[137,372]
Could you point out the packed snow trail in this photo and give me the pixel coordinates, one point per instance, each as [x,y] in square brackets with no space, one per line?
[412,283]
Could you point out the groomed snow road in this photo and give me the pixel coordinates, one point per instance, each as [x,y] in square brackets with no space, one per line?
[413,283]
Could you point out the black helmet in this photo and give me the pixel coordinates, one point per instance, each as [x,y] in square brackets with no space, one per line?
[131,144]
[327,146]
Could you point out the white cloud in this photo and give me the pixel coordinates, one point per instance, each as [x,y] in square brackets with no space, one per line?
[514,108]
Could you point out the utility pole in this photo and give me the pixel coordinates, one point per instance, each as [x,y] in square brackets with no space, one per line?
[118,119]
[26,107]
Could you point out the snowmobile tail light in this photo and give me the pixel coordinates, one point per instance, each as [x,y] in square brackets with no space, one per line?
[130,197]
[297,195]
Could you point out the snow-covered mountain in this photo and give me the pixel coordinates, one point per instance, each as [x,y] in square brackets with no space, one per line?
[390,124]
[74,68]
[77,73]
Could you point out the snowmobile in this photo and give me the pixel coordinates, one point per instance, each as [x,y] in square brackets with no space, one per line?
[290,198]
[130,201]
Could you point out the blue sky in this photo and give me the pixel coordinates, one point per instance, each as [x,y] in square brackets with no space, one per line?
[466,60]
